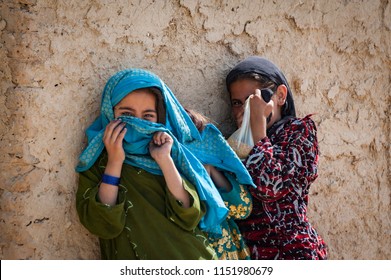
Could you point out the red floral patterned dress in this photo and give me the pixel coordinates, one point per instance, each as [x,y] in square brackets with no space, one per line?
[283,166]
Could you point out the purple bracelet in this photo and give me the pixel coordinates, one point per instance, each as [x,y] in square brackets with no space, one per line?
[111,180]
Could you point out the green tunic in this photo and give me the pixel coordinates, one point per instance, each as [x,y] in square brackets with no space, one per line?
[147,222]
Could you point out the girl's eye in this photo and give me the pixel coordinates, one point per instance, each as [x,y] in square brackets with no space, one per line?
[148,116]
[126,114]
[236,103]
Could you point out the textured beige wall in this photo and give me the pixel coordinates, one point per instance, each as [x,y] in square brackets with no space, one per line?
[57,55]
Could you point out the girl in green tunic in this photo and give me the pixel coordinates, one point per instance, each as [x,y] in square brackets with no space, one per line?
[143,189]
[131,193]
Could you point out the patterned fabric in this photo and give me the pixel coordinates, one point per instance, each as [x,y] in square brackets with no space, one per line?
[214,150]
[283,166]
[230,244]
[190,149]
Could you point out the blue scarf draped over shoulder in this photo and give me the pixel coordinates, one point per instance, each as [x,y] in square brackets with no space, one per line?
[191,149]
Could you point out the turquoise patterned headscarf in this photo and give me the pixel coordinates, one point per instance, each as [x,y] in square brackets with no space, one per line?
[191,149]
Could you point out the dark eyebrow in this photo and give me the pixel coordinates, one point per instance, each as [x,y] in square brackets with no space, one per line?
[125,108]
[150,111]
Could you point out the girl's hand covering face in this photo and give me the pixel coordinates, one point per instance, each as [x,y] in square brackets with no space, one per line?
[240,91]
[112,138]
[160,146]
[258,107]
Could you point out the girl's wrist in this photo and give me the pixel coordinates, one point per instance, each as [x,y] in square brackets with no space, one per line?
[115,160]
[259,130]
[163,159]
[114,168]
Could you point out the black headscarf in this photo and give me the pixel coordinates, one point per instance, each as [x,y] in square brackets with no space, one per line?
[266,68]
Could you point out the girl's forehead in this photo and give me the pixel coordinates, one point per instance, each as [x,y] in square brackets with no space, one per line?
[243,88]
[139,95]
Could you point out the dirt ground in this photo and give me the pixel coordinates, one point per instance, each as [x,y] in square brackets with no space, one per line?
[57,56]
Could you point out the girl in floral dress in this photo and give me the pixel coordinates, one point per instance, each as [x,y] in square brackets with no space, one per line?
[282,163]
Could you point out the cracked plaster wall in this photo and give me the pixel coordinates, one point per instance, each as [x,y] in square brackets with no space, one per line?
[57,55]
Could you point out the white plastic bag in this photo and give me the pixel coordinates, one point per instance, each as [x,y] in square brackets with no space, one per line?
[241,141]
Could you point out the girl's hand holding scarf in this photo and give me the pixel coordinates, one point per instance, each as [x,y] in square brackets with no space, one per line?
[160,146]
[160,150]
[112,138]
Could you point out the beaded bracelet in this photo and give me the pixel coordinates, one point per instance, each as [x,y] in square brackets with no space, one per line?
[111,180]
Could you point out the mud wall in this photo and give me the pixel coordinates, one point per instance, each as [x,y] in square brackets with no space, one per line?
[57,55]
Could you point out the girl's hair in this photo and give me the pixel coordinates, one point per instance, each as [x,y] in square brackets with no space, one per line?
[262,80]
[198,119]
[160,105]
